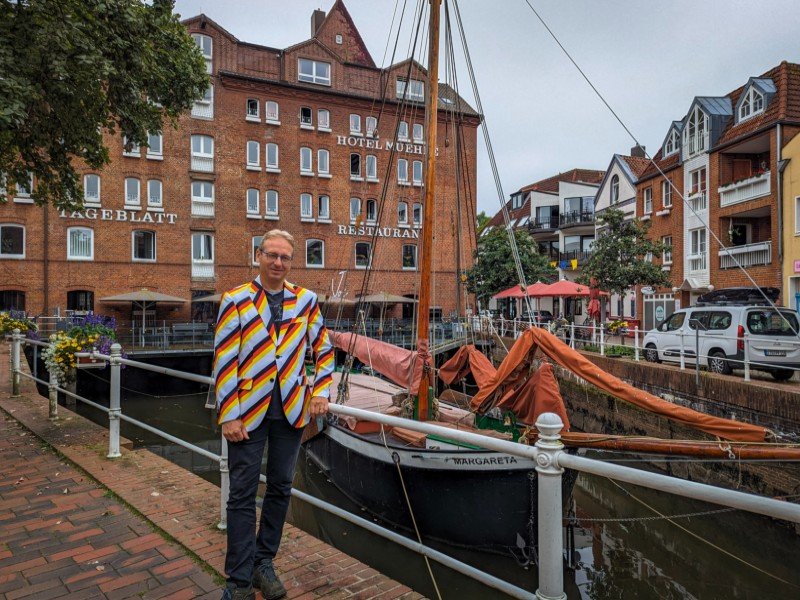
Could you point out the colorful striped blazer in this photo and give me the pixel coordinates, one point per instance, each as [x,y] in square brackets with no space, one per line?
[249,357]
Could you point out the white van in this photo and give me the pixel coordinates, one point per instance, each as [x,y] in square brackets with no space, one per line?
[715,330]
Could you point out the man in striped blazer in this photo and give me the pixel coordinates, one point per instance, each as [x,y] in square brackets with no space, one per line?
[264,397]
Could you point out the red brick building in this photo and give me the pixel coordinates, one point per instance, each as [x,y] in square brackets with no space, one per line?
[313,138]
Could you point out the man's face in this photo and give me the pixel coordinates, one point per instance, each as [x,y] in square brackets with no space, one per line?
[275,262]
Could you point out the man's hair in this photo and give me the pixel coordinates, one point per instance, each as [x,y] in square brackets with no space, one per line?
[278,233]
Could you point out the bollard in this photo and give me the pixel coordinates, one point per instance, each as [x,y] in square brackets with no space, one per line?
[551,574]
[572,335]
[114,409]
[16,342]
[746,358]
[224,484]
[602,341]
[52,395]
[636,343]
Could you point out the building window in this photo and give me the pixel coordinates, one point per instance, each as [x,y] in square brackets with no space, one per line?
[252,110]
[402,171]
[253,156]
[648,200]
[323,119]
[315,254]
[416,172]
[306,207]
[306,163]
[409,257]
[132,192]
[355,124]
[306,118]
[355,209]
[24,190]
[797,215]
[614,189]
[697,190]
[695,134]
[372,126]
[80,243]
[130,148]
[202,199]
[252,202]
[202,255]
[666,193]
[417,216]
[155,197]
[372,167]
[323,163]
[257,239]
[339,38]
[202,153]
[697,258]
[80,301]
[203,108]
[752,103]
[91,189]
[144,246]
[671,146]
[372,211]
[412,89]
[402,213]
[12,241]
[313,71]
[324,208]
[363,255]
[12,300]
[271,204]
[273,164]
[205,43]
[402,131]
[272,112]
[666,256]
[419,133]
[155,146]
[355,167]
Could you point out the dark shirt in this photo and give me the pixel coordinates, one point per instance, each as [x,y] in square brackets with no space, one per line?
[275,302]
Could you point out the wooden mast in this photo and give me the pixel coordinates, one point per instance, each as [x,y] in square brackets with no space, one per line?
[423,307]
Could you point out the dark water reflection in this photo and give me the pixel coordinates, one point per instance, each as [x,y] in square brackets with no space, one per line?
[615,559]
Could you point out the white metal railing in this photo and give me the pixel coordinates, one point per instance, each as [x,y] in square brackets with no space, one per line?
[697,262]
[748,255]
[202,208]
[202,163]
[204,270]
[695,144]
[548,453]
[698,201]
[747,189]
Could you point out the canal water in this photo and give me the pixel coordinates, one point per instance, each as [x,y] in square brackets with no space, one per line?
[624,547]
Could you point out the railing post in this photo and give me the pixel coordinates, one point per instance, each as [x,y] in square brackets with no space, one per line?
[52,387]
[746,358]
[114,409]
[551,574]
[602,340]
[683,354]
[636,343]
[225,484]
[16,342]
[572,335]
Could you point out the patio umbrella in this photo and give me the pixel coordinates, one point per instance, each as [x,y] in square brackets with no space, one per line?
[565,289]
[515,291]
[143,298]
[208,298]
[334,299]
[386,298]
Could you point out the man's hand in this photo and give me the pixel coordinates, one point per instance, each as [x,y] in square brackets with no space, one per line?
[318,406]
[234,431]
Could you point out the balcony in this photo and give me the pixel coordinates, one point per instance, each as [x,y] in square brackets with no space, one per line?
[580,255]
[744,190]
[576,218]
[698,201]
[695,144]
[202,269]
[202,208]
[697,262]
[544,224]
[748,255]
[202,163]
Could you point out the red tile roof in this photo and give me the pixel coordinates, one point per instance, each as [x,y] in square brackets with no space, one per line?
[638,165]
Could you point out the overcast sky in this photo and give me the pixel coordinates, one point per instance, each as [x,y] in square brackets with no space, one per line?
[648,58]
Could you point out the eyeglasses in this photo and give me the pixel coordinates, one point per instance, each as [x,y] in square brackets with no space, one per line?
[272,257]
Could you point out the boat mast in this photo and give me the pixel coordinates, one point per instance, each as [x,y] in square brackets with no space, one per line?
[423,308]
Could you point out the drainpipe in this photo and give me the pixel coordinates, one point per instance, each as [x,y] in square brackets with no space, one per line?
[46,261]
[778,162]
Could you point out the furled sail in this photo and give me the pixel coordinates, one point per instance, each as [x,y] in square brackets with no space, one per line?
[399,365]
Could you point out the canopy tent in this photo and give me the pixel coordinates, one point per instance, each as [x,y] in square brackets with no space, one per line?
[143,299]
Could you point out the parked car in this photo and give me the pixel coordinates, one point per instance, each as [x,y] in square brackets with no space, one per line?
[541,317]
[715,330]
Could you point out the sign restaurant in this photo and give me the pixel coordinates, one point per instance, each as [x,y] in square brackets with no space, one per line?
[388,232]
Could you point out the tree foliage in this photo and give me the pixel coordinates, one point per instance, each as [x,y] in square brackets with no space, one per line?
[71,70]
[481,220]
[494,268]
[618,260]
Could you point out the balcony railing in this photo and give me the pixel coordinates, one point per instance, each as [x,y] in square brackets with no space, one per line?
[543,224]
[698,201]
[202,209]
[575,218]
[203,270]
[202,163]
[748,255]
[746,189]
[697,262]
[581,255]
[695,144]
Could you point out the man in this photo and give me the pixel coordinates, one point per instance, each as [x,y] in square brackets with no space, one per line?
[264,397]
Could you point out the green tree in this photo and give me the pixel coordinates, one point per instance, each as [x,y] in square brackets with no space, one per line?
[619,257]
[481,220]
[71,70]
[494,268]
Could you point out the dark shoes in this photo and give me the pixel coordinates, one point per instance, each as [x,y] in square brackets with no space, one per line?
[232,592]
[267,581]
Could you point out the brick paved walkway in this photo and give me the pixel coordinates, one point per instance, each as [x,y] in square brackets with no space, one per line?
[86,542]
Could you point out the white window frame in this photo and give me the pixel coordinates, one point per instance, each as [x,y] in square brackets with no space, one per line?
[356,176]
[309,122]
[695,133]
[355,124]
[257,239]
[402,257]
[666,194]
[355,203]
[310,265]
[200,235]
[306,208]
[402,214]
[614,189]
[666,255]
[131,200]
[251,202]
[24,241]
[203,107]
[273,166]
[415,91]
[416,173]
[372,168]
[369,255]
[418,133]
[272,112]
[371,211]
[324,209]
[159,202]
[672,145]
[797,215]
[155,153]
[402,172]
[323,163]
[201,39]
[306,161]
[323,120]
[134,151]
[253,155]
[70,255]
[203,154]
[270,212]
[23,192]
[402,131]
[314,74]
[250,114]
[133,246]
[698,241]
[647,201]
[92,200]
[372,127]
[202,185]
[416,214]
[748,108]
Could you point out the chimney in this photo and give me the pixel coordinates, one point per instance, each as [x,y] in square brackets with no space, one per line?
[638,152]
[317,17]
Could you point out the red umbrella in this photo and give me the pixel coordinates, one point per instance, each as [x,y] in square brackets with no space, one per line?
[514,291]
[535,288]
[563,289]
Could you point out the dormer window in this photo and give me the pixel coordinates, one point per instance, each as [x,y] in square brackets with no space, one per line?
[695,135]
[411,89]
[672,144]
[313,71]
[752,104]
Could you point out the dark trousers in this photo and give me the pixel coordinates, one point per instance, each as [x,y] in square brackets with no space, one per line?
[245,548]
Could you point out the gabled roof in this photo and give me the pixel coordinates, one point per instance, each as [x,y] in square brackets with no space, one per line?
[573,176]
[665,164]
[631,166]
[514,214]
[203,20]
[362,56]
[714,106]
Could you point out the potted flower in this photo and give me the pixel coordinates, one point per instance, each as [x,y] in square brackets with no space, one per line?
[84,335]
[15,319]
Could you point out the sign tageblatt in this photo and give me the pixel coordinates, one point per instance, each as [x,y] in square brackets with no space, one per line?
[130,216]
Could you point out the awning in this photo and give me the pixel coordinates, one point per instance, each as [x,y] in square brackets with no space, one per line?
[334,299]
[386,298]
[515,291]
[691,284]
[208,298]
[143,295]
